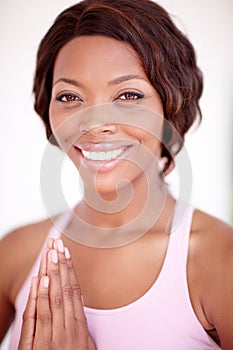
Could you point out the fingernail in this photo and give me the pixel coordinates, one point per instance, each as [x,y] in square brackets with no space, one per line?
[50,243]
[82,300]
[60,246]
[54,256]
[67,253]
[45,281]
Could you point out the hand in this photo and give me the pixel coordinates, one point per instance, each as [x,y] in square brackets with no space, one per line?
[54,317]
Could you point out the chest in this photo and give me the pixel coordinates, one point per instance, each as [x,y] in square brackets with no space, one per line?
[111,278]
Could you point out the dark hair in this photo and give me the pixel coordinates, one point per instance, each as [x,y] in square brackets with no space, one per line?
[167,56]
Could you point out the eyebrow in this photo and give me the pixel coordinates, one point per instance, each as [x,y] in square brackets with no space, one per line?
[119,80]
[115,81]
[68,81]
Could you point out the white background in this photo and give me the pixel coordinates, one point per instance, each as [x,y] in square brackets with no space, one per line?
[209,26]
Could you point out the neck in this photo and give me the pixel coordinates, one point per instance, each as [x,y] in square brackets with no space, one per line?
[146,195]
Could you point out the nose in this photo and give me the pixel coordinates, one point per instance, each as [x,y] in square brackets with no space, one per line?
[95,128]
[98,120]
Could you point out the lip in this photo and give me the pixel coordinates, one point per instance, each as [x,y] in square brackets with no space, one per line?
[102,146]
[102,165]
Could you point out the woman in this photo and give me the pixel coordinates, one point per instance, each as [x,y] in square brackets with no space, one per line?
[117,87]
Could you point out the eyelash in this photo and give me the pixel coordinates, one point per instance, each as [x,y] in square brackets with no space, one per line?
[132,93]
[74,98]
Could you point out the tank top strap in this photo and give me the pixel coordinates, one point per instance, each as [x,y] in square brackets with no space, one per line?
[177,252]
[59,225]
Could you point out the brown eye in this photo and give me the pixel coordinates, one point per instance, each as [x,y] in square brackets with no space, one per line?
[130,96]
[67,98]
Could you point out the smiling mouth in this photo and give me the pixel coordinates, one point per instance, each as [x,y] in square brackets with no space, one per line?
[102,155]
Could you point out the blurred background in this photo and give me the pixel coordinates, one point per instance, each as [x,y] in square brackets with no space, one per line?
[209,26]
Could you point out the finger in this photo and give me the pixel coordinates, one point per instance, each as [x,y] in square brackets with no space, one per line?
[77,296]
[29,318]
[43,264]
[67,292]
[50,243]
[55,293]
[43,333]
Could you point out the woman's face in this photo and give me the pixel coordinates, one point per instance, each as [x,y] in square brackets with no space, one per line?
[92,73]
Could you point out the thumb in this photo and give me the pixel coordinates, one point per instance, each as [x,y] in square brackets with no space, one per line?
[29,319]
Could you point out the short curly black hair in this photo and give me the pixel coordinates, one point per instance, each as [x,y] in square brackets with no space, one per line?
[166,54]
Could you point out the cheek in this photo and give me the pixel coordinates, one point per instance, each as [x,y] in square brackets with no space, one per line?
[151,141]
[52,118]
[154,145]
[56,118]
[146,125]
[62,125]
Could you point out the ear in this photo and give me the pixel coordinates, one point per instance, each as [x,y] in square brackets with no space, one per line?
[162,163]
[170,168]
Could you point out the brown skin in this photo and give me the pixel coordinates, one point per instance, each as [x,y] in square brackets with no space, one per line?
[210,262]
[54,317]
[209,272]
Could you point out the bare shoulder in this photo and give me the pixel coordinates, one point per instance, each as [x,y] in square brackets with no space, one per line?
[18,241]
[212,236]
[211,255]
[18,251]
[211,247]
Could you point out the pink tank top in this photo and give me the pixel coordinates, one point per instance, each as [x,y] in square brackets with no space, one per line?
[162,319]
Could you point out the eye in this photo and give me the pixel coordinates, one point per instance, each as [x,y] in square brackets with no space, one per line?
[130,96]
[68,97]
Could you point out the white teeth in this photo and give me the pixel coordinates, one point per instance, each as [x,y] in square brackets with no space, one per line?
[102,155]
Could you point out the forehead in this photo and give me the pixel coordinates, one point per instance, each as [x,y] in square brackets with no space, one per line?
[97,55]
